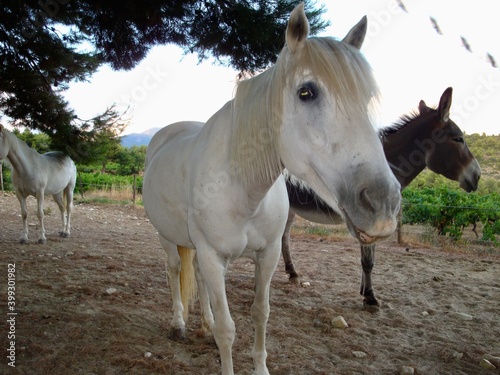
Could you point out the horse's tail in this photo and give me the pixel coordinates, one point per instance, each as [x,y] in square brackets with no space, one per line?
[187,278]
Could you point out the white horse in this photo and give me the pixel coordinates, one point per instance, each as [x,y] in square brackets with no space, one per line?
[218,187]
[52,173]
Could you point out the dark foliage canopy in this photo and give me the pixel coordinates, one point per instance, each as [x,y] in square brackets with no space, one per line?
[46,44]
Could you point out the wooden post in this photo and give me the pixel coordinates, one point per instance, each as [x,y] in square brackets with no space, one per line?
[80,184]
[400,226]
[134,188]
[1,175]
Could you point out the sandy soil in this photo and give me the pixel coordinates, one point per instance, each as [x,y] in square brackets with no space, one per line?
[97,302]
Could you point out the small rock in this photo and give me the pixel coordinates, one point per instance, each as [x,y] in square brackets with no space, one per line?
[457,355]
[463,316]
[494,360]
[317,323]
[70,253]
[305,284]
[147,355]
[407,370]
[339,322]
[486,364]
[359,354]
[111,290]
[425,313]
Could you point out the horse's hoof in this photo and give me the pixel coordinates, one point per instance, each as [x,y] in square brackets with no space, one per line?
[294,280]
[64,234]
[42,241]
[204,333]
[23,240]
[178,334]
[371,305]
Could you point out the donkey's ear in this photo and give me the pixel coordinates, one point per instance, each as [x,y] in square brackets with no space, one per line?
[297,29]
[422,107]
[356,36]
[445,104]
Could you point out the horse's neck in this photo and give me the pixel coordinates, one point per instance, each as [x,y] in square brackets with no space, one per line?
[404,149]
[215,138]
[21,156]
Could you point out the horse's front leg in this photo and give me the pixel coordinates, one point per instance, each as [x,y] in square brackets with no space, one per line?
[213,269]
[293,276]
[264,268]
[24,217]
[40,200]
[367,262]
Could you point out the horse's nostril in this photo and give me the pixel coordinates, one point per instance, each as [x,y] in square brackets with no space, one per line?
[365,200]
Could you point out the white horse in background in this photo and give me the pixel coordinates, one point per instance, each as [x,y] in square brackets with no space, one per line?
[52,173]
[218,187]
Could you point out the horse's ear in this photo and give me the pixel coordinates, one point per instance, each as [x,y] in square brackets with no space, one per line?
[422,107]
[297,29]
[356,36]
[445,104]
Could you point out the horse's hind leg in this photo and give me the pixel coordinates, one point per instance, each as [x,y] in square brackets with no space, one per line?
[24,217]
[367,262]
[40,200]
[67,205]
[207,317]
[293,276]
[59,200]
[173,263]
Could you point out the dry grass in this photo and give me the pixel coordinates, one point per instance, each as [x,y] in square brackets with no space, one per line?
[115,194]
[413,236]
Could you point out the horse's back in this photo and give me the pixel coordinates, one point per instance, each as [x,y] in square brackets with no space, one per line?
[168,133]
[52,173]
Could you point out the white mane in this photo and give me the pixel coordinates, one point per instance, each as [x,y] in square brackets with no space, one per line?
[258,104]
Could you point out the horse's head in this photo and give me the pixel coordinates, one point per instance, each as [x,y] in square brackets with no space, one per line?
[450,155]
[327,138]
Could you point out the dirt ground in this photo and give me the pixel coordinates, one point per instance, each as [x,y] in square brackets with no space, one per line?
[98,303]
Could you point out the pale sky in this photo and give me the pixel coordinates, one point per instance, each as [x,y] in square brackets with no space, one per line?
[410,60]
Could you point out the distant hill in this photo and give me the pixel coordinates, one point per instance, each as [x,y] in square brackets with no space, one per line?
[138,139]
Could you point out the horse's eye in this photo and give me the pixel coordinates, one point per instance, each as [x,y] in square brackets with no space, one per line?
[458,140]
[306,93]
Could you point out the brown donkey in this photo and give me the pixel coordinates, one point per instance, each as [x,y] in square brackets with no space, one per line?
[425,139]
